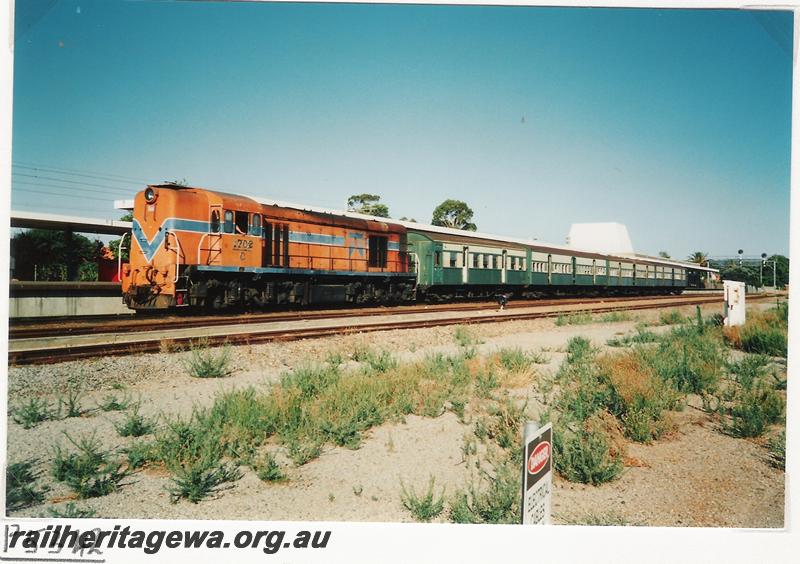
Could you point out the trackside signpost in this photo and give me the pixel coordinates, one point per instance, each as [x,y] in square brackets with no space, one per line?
[537,475]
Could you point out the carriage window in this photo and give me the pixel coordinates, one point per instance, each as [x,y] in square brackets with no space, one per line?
[215,221]
[474,260]
[255,228]
[228,221]
[437,258]
[453,259]
[378,250]
[241,223]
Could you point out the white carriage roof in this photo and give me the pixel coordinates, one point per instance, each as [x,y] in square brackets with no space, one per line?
[470,234]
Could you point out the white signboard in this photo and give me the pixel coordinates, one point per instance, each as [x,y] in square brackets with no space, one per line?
[734,303]
[537,477]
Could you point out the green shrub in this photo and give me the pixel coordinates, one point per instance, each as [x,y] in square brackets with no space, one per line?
[268,470]
[764,339]
[507,420]
[601,520]
[637,396]
[134,424]
[616,316]
[71,405]
[31,413]
[205,363]
[641,336]
[692,361]
[499,503]
[748,370]
[71,511]
[465,336]
[671,317]
[514,360]
[20,489]
[311,380]
[485,382]
[382,362]
[200,478]
[140,453]
[90,471]
[303,452]
[426,507]
[584,456]
[753,410]
[579,349]
[577,318]
[111,402]
[777,450]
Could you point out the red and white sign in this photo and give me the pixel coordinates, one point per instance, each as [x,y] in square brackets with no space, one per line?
[539,457]
[537,483]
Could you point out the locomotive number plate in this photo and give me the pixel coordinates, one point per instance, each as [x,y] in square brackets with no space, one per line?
[243,245]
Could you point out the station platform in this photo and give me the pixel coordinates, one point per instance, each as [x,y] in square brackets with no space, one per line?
[64,299]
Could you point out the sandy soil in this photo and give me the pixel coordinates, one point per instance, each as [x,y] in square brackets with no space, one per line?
[696,477]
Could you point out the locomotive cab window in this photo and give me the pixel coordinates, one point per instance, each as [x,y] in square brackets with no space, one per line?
[228,221]
[241,223]
[255,227]
[378,251]
[215,221]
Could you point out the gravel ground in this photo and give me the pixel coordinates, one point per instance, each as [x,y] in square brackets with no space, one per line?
[697,477]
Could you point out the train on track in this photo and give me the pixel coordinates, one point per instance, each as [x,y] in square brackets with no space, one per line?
[198,248]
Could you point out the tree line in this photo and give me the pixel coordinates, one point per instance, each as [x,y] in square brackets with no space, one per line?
[450,213]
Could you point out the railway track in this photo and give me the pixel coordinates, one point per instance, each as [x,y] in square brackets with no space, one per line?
[43,350]
[88,325]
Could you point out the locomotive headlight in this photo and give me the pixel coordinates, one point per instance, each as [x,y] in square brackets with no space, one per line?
[150,195]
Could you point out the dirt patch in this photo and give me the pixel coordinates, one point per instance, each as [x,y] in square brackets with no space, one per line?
[694,476]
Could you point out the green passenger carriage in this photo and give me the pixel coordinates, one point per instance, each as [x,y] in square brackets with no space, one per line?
[452,264]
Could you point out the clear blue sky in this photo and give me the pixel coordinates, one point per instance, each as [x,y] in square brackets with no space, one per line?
[674,122]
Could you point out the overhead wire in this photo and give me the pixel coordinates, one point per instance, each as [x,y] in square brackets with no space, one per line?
[77,190]
[78,171]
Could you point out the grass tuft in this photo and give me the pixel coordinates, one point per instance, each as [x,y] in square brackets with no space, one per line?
[134,424]
[577,318]
[425,507]
[204,362]
[20,489]
[671,317]
[777,450]
[268,470]
[200,479]
[497,503]
[70,406]
[90,471]
[33,412]
[111,402]
[71,511]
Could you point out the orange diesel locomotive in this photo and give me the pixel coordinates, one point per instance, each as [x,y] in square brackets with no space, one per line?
[196,247]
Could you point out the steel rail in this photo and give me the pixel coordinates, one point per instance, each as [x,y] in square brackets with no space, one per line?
[67,352]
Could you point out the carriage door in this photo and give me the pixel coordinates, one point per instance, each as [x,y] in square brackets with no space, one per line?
[465,266]
[574,264]
[504,266]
